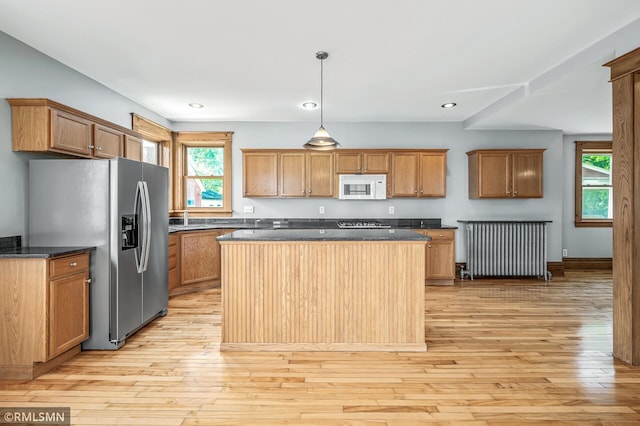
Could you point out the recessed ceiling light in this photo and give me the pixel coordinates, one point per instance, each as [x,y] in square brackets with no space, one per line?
[449,105]
[309,105]
[196,105]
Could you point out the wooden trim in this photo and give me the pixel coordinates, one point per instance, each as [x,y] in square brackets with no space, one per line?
[185,140]
[30,372]
[35,102]
[588,147]
[506,151]
[350,151]
[324,347]
[150,130]
[204,137]
[556,269]
[624,65]
[582,263]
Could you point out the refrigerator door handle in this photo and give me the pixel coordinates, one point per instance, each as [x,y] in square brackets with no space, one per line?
[146,205]
[140,212]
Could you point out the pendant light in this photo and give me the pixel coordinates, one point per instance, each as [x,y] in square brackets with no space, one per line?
[321,141]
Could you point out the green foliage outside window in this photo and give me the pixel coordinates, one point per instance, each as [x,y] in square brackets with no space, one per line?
[207,162]
[596,190]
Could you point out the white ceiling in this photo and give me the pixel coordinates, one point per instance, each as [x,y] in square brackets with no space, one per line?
[509,64]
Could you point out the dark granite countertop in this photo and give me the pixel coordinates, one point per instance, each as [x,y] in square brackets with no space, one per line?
[40,252]
[323,235]
[176,224]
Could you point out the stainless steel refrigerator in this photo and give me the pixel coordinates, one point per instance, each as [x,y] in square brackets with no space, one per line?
[120,207]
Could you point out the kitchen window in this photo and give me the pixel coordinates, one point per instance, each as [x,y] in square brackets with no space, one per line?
[205,168]
[150,152]
[594,184]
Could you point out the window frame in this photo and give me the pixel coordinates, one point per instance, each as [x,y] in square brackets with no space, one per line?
[185,140]
[589,147]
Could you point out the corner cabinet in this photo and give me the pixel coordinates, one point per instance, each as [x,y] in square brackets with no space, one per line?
[418,174]
[42,125]
[501,173]
[194,260]
[45,308]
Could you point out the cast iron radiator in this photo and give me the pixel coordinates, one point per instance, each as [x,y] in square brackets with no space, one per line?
[506,248]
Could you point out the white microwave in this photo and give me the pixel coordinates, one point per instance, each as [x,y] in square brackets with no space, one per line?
[362,187]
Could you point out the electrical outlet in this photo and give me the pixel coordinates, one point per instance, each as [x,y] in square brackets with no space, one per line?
[248,209]
[565,252]
[321,209]
[392,210]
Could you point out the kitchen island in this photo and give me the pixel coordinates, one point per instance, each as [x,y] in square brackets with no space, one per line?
[323,290]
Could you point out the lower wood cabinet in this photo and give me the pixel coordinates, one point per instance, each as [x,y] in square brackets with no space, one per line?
[196,262]
[440,257]
[44,304]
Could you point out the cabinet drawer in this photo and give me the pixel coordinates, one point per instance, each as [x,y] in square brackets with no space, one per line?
[68,265]
[441,234]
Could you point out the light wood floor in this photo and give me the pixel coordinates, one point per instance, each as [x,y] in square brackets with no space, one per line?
[500,352]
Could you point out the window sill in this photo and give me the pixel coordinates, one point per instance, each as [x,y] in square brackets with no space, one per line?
[594,224]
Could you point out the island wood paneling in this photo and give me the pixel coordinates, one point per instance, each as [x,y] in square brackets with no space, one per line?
[334,295]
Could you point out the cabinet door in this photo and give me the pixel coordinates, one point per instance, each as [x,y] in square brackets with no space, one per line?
[494,175]
[376,162]
[68,312]
[70,133]
[107,142]
[433,171]
[132,148]
[199,257]
[320,175]
[527,175]
[260,174]
[348,162]
[292,175]
[440,261]
[404,175]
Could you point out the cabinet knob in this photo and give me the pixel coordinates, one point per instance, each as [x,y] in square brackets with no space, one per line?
[99,148]
[415,192]
[429,246]
[440,235]
[90,147]
[508,192]
[73,264]
[515,192]
[88,281]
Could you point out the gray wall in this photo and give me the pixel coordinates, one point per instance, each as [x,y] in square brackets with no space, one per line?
[28,73]
[581,242]
[455,206]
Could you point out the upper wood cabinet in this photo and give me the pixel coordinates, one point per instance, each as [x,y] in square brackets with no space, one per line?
[320,174]
[292,179]
[107,142]
[42,125]
[132,148]
[501,173]
[260,174]
[69,133]
[362,162]
[418,174]
[287,173]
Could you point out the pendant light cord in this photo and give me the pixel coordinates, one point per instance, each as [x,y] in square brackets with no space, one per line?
[321,92]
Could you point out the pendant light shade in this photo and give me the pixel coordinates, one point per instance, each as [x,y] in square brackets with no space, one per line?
[321,141]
